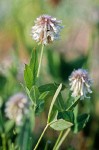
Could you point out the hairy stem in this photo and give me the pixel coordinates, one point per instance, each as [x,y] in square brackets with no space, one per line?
[41,56]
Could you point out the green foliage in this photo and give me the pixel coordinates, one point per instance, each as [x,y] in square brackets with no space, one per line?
[30,71]
[53,101]
[71,103]
[60,104]
[60,124]
[8,126]
[45,95]
[80,122]
[34,94]
[62,120]
[50,87]
[66,115]
[24,139]
[54,115]
[34,65]
[39,107]
[28,77]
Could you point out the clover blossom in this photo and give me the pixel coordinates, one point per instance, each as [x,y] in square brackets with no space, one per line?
[46,29]
[16,107]
[80,83]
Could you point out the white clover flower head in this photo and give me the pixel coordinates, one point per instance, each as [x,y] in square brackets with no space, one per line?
[80,83]
[46,29]
[16,107]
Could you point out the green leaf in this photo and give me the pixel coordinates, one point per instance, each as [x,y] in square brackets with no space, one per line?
[80,122]
[24,137]
[60,104]
[39,107]
[8,126]
[28,77]
[30,71]
[66,115]
[34,65]
[61,124]
[50,87]
[42,99]
[28,93]
[74,103]
[53,100]
[45,95]
[34,94]
[82,117]
[54,114]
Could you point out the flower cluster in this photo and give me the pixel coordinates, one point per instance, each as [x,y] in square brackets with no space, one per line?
[80,83]
[17,107]
[46,29]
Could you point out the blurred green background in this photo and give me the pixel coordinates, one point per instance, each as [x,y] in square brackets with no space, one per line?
[78,47]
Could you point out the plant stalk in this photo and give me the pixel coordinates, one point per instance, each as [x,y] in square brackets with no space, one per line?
[41,56]
[41,137]
[59,137]
[62,139]
[3,141]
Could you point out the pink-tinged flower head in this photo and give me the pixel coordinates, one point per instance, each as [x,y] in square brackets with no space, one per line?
[46,29]
[80,83]
[16,107]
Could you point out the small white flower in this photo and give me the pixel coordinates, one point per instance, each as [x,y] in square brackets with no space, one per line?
[17,107]
[80,83]
[46,29]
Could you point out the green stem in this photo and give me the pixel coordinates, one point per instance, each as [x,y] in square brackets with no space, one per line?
[75,111]
[41,56]
[47,145]
[59,137]
[62,139]
[41,137]
[3,141]
[53,101]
